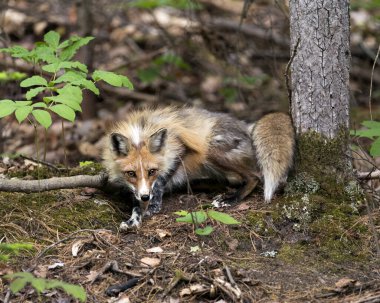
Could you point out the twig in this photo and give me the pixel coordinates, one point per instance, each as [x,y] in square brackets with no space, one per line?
[42,162]
[248,30]
[368,175]
[370,87]
[227,288]
[229,276]
[34,186]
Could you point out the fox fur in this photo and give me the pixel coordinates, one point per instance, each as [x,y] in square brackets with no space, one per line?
[156,149]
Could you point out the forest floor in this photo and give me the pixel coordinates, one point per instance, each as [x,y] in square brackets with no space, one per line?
[77,239]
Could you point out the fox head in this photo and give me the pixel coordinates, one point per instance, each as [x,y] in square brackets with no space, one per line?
[139,161]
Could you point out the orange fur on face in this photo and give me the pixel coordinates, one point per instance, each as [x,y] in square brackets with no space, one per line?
[140,169]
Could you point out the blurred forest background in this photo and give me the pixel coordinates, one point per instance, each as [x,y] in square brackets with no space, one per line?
[223,55]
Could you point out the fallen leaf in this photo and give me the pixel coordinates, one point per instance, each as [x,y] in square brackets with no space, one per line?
[241,207]
[163,233]
[232,243]
[92,276]
[193,289]
[40,271]
[156,249]
[345,282]
[151,262]
[78,245]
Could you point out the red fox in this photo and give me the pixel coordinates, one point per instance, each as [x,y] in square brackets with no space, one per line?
[157,149]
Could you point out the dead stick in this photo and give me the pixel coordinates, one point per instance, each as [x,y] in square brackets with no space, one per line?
[369,175]
[34,186]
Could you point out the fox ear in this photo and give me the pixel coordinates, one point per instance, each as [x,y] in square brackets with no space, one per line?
[120,144]
[157,140]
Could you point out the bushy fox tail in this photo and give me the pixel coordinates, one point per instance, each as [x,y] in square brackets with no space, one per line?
[274,140]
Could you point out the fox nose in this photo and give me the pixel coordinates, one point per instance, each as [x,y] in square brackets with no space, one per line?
[144,198]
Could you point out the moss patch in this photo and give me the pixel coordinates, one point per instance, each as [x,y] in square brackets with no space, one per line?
[35,217]
[322,201]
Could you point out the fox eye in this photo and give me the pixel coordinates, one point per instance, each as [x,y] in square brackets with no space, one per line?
[152,172]
[131,174]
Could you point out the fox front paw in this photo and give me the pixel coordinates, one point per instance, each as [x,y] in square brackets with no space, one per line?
[223,200]
[134,222]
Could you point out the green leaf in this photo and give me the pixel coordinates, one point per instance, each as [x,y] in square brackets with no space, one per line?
[72,92]
[222,217]
[32,81]
[39,104]
[69,95]
[126,82]
[375,148]
[38,284]
[52,39]
[18,284]
[22,103]
[112,78]
[197,217]
[367,133]
[87,84]
[70,76]
[45,53]
[71,47]
[64,111]
[76,291]
[22,112]
[371,124]
[109,77]
[55,67]
[18,52]
[42,117]
[181,213]
[34,92]
[7,107]
[204,231]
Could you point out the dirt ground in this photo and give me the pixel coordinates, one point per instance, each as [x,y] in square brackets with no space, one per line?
[165,261]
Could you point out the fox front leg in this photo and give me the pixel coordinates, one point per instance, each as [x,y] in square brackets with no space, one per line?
[136,218]
[155,203]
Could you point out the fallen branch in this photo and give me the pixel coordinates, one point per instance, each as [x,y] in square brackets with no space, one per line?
[35,186]
[369,175]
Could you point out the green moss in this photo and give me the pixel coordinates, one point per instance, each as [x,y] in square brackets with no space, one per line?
[321,202]
[41,172]
[89,169]
[44,172]
[292,253]
[258,221]
[34,217]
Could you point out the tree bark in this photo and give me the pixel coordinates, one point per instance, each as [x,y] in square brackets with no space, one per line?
[320,70]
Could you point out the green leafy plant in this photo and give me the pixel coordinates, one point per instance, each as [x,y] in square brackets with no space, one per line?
[8,249]
[11,76]
[157,66]
[20,279]
[61,85]
[199,217]
[372,132]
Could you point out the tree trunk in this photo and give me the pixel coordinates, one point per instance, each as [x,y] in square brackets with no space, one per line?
[319,31]
[320,70]
[86,54]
